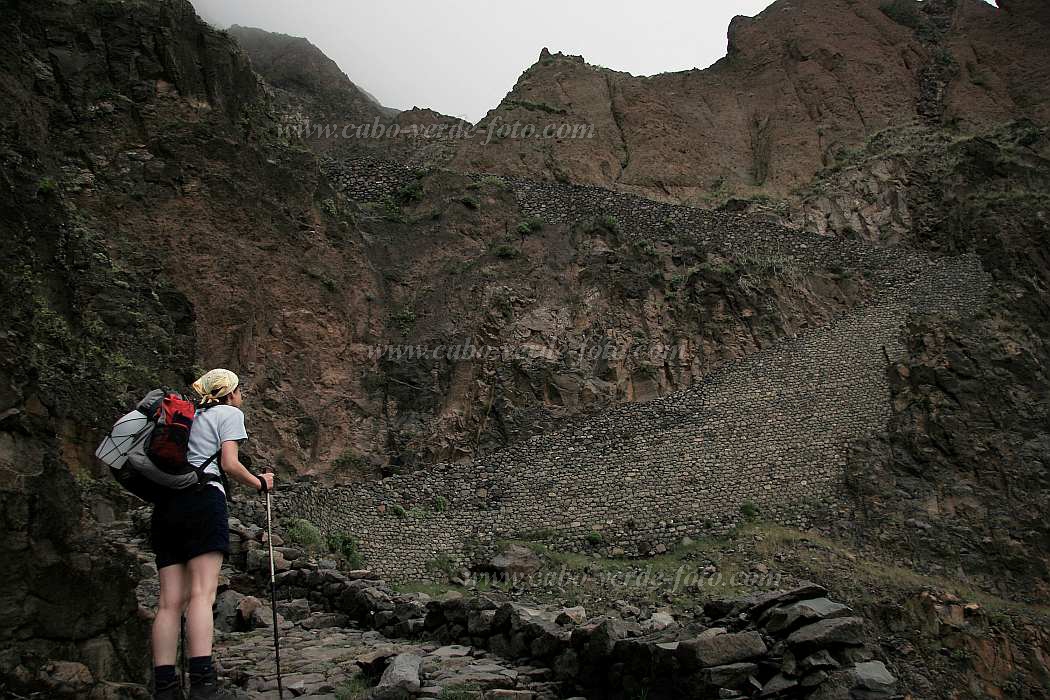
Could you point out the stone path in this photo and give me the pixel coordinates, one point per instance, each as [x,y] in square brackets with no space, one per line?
[323,654]
[317,663]
[792,641]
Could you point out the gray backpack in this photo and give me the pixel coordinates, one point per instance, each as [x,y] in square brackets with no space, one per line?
[125,451]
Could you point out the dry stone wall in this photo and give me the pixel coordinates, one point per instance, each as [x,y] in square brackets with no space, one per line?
[769,431]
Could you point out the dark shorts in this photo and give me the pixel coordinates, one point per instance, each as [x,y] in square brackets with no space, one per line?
[189,524]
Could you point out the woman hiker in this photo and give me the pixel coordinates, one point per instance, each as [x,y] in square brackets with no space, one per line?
[190,537]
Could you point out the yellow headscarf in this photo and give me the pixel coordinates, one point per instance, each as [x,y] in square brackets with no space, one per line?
[216,384]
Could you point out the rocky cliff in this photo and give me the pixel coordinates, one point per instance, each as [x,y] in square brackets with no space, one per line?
[83,328]
[307,85]
[802,82]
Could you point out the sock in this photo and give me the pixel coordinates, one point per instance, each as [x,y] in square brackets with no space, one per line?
[164,676]
[200,666]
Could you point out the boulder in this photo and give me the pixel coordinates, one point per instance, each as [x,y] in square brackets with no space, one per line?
[873,681]
[818,661]
[778,684]
[596,639]
[842,631]
[226,610]
[66,677]
[277,539]
[549,639]
[294,610]
[712,632]
[784,619]
[723,649]
[246,608]
[571,616]
[289,553]
[658,621]
[479,622]
[516,560]
[374,662]
[262,618]
[758,603]
[259,561]
[409,610]
[402,674]
[733,676]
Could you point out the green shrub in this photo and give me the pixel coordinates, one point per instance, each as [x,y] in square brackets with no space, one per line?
[47,185]
[305,534]
[536,106]
[390,210]
[470,202]
[412,192]
[440,504]
[530,225]
[506,252]
[594,538]
[398,510]
[329,207]
[348,460]
[749,510]
[345,547]
[494,182]
[441,564]
[404,318]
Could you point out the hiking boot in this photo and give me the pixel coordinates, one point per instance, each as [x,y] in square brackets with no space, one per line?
[207,688]
[172,691]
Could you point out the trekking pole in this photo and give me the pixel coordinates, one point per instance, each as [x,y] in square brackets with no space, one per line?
[273,596]
[182,646]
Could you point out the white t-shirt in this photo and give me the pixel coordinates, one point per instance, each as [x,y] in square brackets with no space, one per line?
[212,427]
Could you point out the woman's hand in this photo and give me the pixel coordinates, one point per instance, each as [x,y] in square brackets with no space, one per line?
[267,478]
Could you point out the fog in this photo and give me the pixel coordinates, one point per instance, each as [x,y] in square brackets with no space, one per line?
[461,58]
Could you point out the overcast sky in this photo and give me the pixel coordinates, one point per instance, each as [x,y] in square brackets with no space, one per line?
[461,57]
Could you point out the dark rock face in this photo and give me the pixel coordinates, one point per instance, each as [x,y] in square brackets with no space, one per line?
[960,473]
[81,335]
[957,483]
[69,595]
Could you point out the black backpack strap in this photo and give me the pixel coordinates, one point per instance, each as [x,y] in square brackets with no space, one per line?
[205,478]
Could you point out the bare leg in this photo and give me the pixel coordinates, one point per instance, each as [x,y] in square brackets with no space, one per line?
[204,578]
[173,587]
